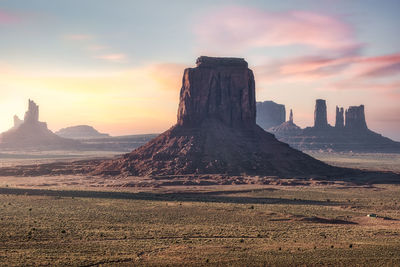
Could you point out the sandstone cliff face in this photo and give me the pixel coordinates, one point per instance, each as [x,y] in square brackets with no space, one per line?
[216,132]
[270,114]
[355,118]
[218,89]
[320,115]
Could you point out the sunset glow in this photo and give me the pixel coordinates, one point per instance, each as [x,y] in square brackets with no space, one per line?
[119,67]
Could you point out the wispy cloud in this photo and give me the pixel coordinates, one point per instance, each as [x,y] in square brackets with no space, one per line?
[112,57]
[7,17]
[240,27]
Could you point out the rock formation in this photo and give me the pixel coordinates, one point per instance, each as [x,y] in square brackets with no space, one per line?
[33,134]
[355,118]
[320,115]
[339,118]
[17,121]
[287,128]
[216,132]
[291,116]
[351,134]
[270,114]
[81,132]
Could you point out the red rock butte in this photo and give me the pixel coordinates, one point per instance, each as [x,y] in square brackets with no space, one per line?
[216,132]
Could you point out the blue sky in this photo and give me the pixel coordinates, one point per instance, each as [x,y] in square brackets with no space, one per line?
[132,53]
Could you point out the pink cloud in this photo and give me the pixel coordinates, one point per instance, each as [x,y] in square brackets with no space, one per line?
[243,27]
[112,57]
[318,67]
[8,17]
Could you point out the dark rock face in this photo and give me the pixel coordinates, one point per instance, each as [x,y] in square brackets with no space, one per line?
[270,114]
[320,115]
[81,132]
[355,118]
[219,89]
[339,117]
[33,134]
[216,132]
[291,116]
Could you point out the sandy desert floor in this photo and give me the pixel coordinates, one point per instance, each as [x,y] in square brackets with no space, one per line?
[90,221]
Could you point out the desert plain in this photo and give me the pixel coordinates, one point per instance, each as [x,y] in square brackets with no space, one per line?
[80,220]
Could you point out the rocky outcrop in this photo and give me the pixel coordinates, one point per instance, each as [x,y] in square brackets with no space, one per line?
[270,114]
[220,89]
[33,134]
[339,118]
[320,115]
[216,132]
[81,132]
[351,134]
[355,118]
[287,128]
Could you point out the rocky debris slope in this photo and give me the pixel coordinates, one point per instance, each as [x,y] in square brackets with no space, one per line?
[33,134]
[216,132]
[81,132]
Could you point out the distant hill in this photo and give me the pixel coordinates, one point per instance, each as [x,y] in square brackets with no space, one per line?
[81,132]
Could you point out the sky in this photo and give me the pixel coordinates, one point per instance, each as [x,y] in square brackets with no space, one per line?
[118,65]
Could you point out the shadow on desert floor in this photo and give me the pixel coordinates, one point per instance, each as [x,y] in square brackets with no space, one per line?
[215,196]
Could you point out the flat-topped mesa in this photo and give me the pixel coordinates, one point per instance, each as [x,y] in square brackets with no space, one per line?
[339,117]
[218,89]
[205,61]
[355,118]
[320,115]
[32,114]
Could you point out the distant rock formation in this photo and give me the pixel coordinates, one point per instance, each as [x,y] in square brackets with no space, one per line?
[355,118]
[339,118]
[270,114]
[81,132]
[349,134]
[33,134]
[17,121]
[286,128]
[320,115]
[216,132]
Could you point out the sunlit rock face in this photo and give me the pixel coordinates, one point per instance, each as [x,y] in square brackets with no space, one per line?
[221,89]
[31,133]
[216,132]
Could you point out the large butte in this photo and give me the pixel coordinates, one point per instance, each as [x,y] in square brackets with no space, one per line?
[216,132]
